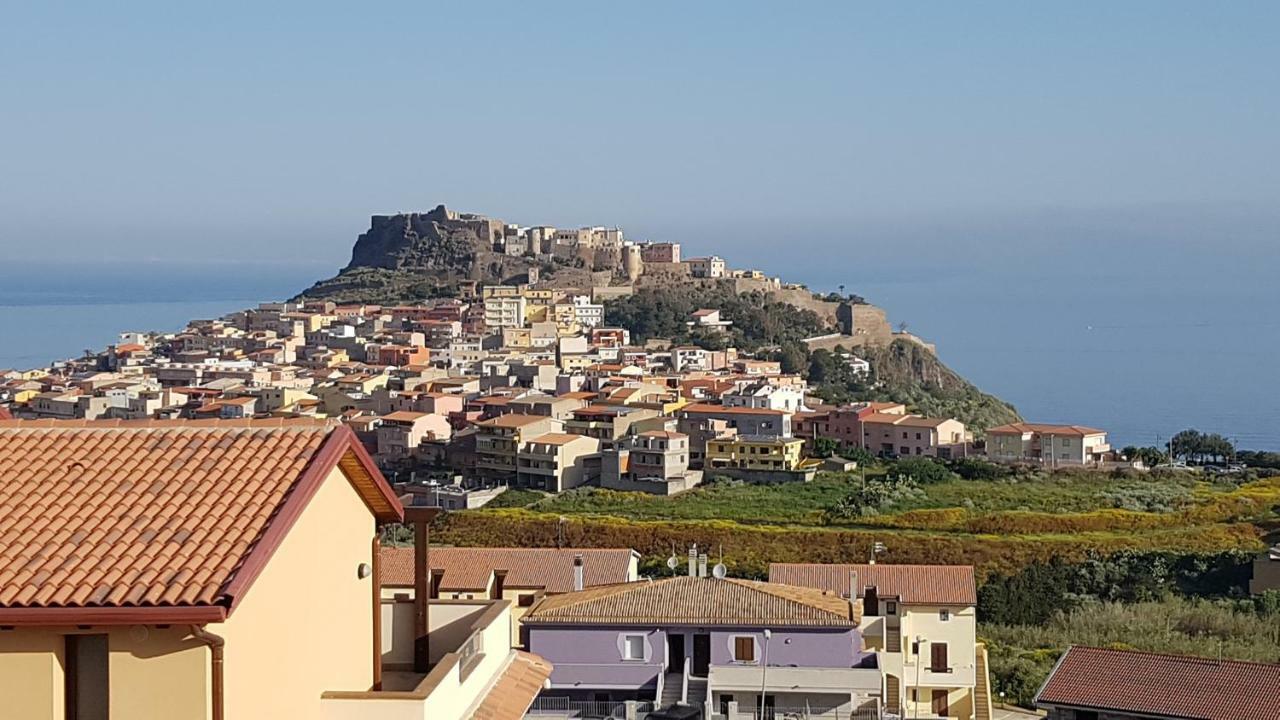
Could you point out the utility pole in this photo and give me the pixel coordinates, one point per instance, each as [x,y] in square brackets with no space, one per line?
[764,671]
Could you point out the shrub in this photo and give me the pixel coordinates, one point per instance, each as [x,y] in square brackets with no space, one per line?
[923,470]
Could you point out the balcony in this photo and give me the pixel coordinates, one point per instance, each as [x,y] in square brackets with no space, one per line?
[736,678]
[471,658]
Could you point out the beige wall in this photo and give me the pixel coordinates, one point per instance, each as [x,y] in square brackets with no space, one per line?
[306,624]
[154,674]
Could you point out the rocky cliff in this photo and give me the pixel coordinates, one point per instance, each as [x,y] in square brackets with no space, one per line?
[409,257]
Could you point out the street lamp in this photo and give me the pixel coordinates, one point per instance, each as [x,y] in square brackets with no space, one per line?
[764,670]
[915,701]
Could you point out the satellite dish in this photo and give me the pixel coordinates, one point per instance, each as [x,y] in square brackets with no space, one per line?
[719,571]
[672,562]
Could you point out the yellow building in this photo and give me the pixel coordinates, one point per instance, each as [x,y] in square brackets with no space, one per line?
[755,452]
[921,621]
[171,570]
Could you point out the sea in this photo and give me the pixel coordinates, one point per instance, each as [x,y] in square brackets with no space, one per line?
[1140,351]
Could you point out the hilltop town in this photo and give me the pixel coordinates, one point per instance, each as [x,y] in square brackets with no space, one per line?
[508,372]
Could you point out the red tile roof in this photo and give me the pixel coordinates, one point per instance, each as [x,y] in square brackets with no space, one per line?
[547,568]
[911,584]
[110,521]
[698,601]
[510,696]
[1166,686]
[1045,429]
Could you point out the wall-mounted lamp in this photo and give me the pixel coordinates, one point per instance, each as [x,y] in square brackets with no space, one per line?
[364,570]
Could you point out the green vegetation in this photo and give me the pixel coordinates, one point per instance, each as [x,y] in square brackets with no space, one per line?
[1021,656]
[758,322]
[516,498]
[380,285]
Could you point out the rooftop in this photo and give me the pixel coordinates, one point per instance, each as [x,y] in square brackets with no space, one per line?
[911,584]
[547,568]
[108,515]
[1167,686]
[687,600]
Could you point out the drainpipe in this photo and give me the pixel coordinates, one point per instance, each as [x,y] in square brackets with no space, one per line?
[216,644]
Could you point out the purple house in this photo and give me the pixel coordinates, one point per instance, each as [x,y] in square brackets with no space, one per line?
[729,644]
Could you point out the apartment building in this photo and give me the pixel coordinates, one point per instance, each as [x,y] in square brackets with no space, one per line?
[718,645]
[1047,444]
[655,461]
[913,435]
[607,423]
[556,462]
[498,442]
[921,621]
[501,311]
[746,420]
[401,433]
[754,452]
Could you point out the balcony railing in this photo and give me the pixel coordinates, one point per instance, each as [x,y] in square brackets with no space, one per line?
[548,708]
[801,713]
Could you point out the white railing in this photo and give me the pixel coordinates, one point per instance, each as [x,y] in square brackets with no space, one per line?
[684,681]
[553,707]
[794,713]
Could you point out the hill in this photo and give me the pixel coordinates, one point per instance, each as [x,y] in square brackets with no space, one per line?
[410,257]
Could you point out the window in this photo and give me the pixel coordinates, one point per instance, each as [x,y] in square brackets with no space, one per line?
[944,615]
[1066,442]
[744,649]
[633,647]
[890,607]
[86,680]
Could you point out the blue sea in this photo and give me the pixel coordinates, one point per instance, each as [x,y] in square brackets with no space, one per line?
[1141,350]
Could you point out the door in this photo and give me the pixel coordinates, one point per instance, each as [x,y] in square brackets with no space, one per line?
[870,602]
[940,706]
[675,653]
[701,655]
[769,706]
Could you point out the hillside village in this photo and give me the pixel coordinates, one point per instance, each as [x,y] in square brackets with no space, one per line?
[310,452]
[525,383]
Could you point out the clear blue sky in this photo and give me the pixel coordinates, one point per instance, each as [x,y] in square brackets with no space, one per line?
[220,130]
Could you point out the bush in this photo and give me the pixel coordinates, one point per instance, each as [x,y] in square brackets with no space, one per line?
[975,469]
[923,470]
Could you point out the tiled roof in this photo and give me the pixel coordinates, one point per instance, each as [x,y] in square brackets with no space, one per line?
[727,410]
[1167,686]
[911,584]
[548,568]
[510,696]
[157,514]
[1045,428]
[687,600]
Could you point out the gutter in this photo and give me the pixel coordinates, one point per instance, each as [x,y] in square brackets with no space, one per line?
[216,644]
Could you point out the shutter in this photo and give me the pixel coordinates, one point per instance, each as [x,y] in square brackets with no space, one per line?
[938,653]
[744,649]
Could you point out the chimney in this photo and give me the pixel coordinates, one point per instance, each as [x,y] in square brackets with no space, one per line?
[420,518]
[579,580]
[693,560]
[853,586]
[702,565]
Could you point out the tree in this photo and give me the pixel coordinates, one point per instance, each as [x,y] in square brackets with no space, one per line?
[923,470]
[825,447]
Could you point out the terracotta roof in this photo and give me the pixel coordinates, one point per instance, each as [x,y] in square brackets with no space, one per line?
[557,438]
[108,521]
[705,408]
[1043,428]
[1167,686]
[911,584]
[513,420]
[510,696]
[402,416]
[687,600]
[547,568]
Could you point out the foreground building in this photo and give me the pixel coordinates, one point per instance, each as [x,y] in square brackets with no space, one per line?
[921,620]
[1049,445]
[155,570]
[715,644]
[1094,683]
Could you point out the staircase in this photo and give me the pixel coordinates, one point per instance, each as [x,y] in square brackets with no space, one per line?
[982,689]
[697,691]
[672,686]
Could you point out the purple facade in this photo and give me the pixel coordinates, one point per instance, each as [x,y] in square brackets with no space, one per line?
[594,657]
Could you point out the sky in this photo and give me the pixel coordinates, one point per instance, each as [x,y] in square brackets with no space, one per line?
[271,131]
